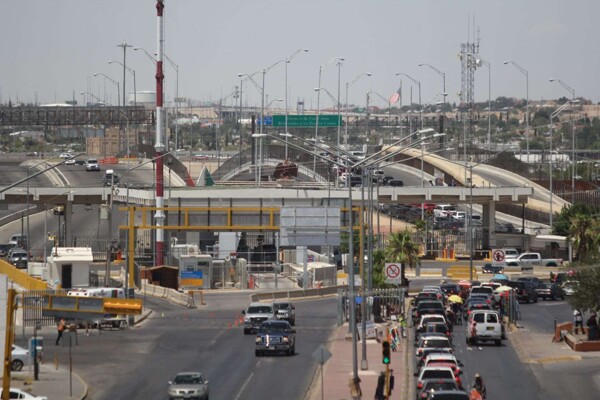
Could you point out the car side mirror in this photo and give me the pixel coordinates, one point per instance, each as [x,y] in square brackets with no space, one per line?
[460,365]
[206,382]
[170,382]
[244,312]
[416,374]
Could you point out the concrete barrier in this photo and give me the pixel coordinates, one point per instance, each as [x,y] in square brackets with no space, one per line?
[564,330]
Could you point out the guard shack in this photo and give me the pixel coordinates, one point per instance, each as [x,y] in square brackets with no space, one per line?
[195,271]
[69,267]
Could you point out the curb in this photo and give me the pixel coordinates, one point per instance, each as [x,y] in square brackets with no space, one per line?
[85,386]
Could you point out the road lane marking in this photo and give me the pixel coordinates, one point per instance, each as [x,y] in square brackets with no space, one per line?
[246,382]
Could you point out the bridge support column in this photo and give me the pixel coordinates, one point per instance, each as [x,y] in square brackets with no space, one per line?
[489,223]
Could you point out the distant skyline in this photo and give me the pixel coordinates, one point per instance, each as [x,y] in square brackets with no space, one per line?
[51,49]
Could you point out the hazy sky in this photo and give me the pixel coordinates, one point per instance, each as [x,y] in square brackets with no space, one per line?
[52,48]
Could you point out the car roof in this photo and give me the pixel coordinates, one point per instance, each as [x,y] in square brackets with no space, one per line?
[441,356]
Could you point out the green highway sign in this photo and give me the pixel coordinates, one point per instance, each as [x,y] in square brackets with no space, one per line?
[307,121]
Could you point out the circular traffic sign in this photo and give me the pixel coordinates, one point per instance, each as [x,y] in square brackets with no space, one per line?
[392,271]
[498,255]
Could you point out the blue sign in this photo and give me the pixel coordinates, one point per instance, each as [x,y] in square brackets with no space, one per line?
[191,274]
[358,300]
[268,120]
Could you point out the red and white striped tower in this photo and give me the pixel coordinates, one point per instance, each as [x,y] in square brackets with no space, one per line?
[159,146]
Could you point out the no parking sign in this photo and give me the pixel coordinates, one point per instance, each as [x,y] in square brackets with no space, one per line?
[393,273]
[498,257]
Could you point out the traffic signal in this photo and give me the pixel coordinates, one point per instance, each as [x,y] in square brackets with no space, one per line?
[386,352]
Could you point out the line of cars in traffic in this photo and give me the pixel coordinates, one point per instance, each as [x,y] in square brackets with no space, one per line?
[272,323]
[436,312]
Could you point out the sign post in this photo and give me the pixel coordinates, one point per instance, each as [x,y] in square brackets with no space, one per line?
[393,273]
[498,258]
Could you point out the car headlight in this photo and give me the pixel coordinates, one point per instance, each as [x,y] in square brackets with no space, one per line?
[258,339]
[285,339]
[247,320]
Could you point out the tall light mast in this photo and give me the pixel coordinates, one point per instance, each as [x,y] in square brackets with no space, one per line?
[159,145]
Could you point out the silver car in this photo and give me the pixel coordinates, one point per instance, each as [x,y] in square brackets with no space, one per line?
[188,385]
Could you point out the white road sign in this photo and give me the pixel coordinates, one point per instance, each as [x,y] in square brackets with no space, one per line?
[393,272]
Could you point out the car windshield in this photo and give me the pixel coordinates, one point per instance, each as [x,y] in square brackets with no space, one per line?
[274,327]
[188,379]
[260,310]
[281,306]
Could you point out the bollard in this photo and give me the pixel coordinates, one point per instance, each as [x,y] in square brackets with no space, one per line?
[555,323]
[56,361]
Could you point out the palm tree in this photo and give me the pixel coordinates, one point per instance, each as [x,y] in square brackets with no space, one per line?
[584,232]
[400,248]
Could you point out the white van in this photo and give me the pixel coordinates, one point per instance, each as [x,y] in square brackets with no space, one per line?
[98,292]
[484,325]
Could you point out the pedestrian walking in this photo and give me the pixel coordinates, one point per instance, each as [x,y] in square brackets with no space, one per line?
[592,324]
[479,386]
[60,329]
[577,321]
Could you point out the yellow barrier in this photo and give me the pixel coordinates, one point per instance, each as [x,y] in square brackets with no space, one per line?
[123,306]
[21,278]
[461,272]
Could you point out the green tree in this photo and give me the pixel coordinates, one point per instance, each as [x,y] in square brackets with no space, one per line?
[587,286]
[584,232]
[378,265]
[562,222]
[400,248]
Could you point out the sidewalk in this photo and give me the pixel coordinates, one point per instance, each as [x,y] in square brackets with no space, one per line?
[337,371]
[55,382]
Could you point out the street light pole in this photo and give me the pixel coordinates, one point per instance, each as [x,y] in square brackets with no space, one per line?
[573,161]
[442,74]
[115,83]
[348,84]
[321,67]
[287,61]
[526,74]
[418,83]
[176,67]
[132,71]
[551,170]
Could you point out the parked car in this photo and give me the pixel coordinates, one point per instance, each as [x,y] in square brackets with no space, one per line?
[22,395]
[275,336]
[525,291]
[568,287]
[20,358]
[188,385]
[552,291]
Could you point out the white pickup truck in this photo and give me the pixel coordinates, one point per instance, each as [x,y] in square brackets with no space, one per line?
[529,260]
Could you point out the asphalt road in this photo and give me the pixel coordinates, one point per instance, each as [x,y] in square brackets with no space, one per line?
[510,374]
[138,363]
